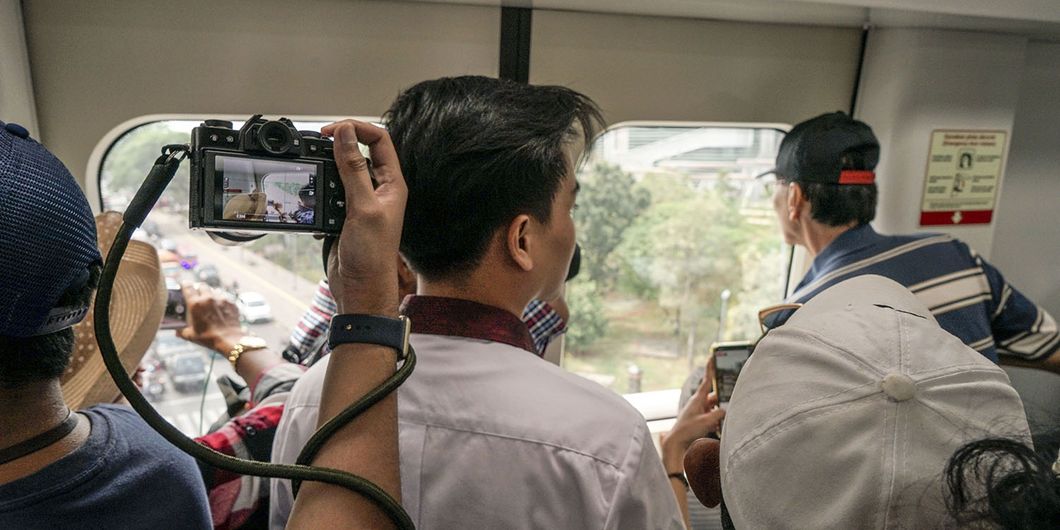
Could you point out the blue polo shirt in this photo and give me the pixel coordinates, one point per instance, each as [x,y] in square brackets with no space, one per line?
[967,295]
[125,475]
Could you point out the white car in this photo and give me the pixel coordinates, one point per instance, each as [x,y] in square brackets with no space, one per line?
[253,307]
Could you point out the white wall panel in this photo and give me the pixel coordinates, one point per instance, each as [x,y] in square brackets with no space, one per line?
[97,64]
[916,81]
[1026,241]
[16,86]
[654,68]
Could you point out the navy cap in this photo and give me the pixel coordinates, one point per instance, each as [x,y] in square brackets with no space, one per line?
[47,237]
[830,149]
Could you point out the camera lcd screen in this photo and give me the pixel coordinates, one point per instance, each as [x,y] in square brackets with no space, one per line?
[266,191]
[728,362]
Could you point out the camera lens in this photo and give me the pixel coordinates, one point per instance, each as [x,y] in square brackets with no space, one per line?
[275,137]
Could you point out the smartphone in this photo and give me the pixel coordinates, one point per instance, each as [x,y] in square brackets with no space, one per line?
[176,309]
[729,358]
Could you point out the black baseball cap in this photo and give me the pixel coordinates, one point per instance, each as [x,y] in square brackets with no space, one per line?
[829,149]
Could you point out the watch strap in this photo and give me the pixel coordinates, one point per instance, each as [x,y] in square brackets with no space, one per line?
[371,329]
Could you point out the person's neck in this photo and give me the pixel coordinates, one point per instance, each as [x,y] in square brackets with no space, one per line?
[817,236]
[29,410]
[496,292]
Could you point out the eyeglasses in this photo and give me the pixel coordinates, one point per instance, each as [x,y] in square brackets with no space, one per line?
[775,315]
[772,183]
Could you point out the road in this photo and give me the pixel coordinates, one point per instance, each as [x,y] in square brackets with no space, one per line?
[287,294]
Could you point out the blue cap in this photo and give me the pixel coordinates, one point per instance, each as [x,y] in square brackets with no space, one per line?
[47,237]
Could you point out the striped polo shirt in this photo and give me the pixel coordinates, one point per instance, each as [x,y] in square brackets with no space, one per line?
[967,295]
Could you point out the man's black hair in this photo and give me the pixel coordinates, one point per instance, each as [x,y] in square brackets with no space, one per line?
[476,152]
[842,204]
[29,359]
[839,205]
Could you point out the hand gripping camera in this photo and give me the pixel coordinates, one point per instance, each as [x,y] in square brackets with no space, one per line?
[266,177]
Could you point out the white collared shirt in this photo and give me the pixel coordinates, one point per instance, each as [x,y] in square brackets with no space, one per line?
[493,437]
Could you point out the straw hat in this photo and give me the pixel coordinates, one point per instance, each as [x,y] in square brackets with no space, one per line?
[138,302]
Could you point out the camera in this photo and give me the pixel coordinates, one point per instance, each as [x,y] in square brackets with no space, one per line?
[266,177]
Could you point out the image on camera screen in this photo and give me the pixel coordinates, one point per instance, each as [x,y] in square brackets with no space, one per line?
[266,191]
[728,364]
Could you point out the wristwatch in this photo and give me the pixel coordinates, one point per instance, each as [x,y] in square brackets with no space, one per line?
[371,329]
[244,344]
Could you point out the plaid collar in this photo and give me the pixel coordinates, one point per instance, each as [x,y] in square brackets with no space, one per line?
[438,315]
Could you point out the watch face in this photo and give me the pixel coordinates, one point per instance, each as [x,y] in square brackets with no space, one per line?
[251,342]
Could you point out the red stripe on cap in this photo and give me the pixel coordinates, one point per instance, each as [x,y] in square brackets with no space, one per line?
[849,176]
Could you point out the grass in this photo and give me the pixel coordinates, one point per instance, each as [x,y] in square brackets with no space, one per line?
[639,334]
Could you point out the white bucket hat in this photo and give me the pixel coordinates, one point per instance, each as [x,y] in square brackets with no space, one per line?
[845,416]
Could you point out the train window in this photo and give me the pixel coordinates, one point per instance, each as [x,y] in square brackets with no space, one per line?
[271,280]
[680,247]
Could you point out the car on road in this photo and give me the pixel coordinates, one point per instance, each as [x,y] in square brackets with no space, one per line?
[151,227]
[168,346]
[152,380]
[253,307]
[208,274]
[187,371]
[189,259]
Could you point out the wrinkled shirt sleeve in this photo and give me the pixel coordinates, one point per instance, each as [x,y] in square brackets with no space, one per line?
[643,498]
[1020,327]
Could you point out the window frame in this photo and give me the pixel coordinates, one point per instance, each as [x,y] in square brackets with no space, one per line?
[658,406]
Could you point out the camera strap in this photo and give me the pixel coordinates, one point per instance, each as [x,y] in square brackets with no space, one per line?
[162,171]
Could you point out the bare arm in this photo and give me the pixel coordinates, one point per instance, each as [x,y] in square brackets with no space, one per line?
[362,273]
[213,322]
[699,417]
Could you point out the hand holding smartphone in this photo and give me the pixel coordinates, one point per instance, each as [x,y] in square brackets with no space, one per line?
[726,361]
[176,315]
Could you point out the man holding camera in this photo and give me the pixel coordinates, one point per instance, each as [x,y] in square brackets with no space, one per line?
[825,198]
[491,435]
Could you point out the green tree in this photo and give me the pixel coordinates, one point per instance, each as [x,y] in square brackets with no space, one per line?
[608,203]
[131,158]
[587,320]
[688,250]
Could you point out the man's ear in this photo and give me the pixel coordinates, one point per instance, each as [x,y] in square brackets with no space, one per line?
[518,241]
[796,201]
[406,278]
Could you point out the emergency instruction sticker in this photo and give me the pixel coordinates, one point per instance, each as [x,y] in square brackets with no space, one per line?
[963,173]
